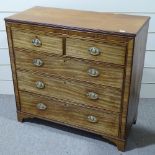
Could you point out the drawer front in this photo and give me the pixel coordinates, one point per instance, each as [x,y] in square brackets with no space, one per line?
[73,91]
[89,119]
[70,68]
[38,42]
[95,51]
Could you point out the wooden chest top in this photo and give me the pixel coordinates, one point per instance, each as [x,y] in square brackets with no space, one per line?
[82,20]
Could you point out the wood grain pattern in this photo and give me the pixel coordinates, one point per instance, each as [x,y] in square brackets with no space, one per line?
[122,41]
[117,40]
[13,66]
[86,20]
[23,39]
[72,91]
[126,88]
[73,68]
[79,48]
[70,114]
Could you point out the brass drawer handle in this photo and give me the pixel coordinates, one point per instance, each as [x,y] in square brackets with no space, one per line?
[94,51]
[92,119]
[41,106]
[40,85]
[36,42]
[92,95]
[37,62]
[93,72]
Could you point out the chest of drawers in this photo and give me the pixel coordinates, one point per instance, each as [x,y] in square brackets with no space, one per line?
[77,68]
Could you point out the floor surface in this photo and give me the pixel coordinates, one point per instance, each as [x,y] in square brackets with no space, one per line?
[37,137]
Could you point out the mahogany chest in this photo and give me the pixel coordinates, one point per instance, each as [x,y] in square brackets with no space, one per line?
[77,68]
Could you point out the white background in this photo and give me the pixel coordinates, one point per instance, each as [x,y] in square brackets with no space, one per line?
[138,7]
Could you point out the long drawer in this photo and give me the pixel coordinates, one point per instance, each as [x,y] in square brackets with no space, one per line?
[70,68]
[73,91]
[89,119]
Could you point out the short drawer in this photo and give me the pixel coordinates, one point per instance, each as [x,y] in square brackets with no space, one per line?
[95,51]
[83,70]
[37,41]
[70,114]
[72,91]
